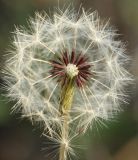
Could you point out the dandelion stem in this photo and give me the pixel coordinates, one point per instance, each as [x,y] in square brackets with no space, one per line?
[65,106]
[64,136]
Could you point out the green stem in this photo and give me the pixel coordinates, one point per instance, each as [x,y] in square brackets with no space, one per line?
[65,106]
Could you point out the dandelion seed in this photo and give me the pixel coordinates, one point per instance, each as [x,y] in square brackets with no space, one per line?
[67,70]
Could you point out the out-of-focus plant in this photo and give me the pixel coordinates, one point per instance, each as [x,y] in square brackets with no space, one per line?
[66,71]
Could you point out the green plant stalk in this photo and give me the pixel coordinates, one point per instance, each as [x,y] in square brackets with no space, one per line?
[67,95]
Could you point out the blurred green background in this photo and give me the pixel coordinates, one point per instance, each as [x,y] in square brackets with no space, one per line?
[118,140]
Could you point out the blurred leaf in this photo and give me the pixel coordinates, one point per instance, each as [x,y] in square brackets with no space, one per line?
[4,110]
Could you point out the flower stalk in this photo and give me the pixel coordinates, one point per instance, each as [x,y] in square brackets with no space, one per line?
[64,136]
[65,105]
[66,99]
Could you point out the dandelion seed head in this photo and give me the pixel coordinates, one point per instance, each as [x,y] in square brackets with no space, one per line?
[67,44]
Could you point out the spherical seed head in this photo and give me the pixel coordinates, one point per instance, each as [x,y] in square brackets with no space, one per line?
[67,44]
[72,70]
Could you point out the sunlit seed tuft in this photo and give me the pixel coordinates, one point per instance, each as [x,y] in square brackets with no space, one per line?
[72,70]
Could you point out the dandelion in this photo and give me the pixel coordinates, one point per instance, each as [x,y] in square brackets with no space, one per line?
[66,71]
